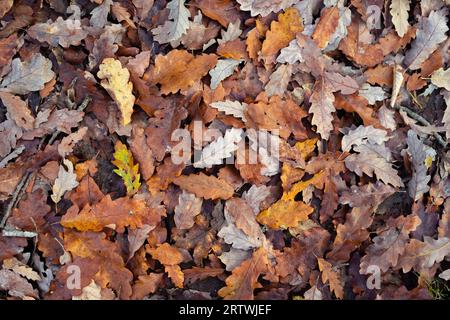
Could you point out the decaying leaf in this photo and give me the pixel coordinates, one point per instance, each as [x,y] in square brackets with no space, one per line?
[28,76]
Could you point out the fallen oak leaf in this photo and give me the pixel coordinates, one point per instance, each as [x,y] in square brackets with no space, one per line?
[62,32]
[65,181]
[18,110]
[115,79]
[116,214]
[203,186]
[68,143]
[223,69]
[173,30]
[126,169]
[244,278]
[28,76]
[326,26]
[280,34]
[332,277]
[170,257]
[179,70]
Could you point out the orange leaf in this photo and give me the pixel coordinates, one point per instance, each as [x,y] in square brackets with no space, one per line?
[203,186]
[244,279]
[326,26]
[117,214]
[280,34]
[179,70]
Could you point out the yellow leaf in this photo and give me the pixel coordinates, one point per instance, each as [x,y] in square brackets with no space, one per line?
[317,180]
[123,160]
[286,212]
[115,80]
[305,148]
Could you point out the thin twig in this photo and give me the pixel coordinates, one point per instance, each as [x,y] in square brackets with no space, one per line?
[16,196]
[422,121]
[12,155]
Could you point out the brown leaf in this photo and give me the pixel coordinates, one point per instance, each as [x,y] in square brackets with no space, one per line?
[280,34]
[203,186]
[179,70]
[244,279]
[332,277]
[116,214]
[326,26]
[18,110]
[187,208]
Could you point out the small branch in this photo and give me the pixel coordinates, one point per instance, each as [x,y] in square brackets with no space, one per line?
[11,156]
[21,186]
[422,121]
[18,233]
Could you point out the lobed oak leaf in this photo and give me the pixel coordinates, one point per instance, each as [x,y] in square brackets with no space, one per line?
[187,208]
[279,81]
[369,161]
[326,26]
[285,214]
[21,269]
[431,33]
[351,234]
[234,108]
[322,107]
[280,34]
[423,255]
[176,26]
[146,284]
[28,76]
[18,110]
[122,14]
[170,257]
[115,79]
[179,70]
[65,181]
[62,32]
[264,7]
[399,12]
[420,155]
[372,193]
[244,278]
[203,186]
[68,143]
[362,135]
[221,148]
[116,214]
[223,69]
[332,277]
[126,169]
[276,113]
[16,286]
